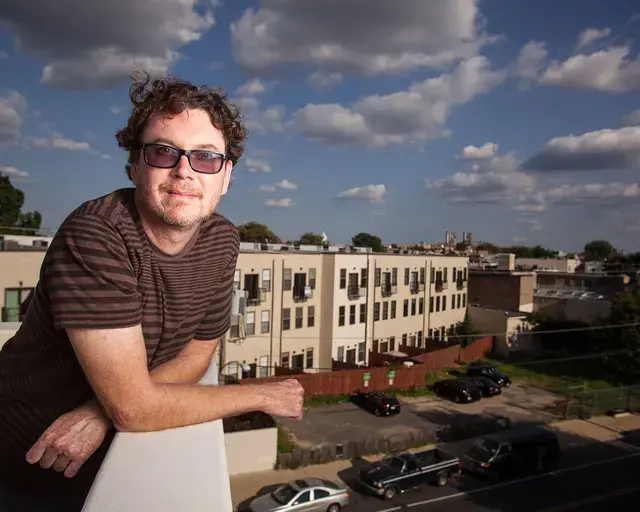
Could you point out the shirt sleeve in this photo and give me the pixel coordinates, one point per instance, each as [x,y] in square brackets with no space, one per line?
[90,277]
[218,319]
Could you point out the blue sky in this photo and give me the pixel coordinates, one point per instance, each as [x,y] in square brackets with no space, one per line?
[517,121]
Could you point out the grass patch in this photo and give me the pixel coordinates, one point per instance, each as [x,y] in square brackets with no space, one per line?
[285,441]
[324,400]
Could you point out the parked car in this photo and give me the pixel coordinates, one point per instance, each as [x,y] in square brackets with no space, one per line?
[486,386]
[377,402]
[457,390]
[304,495]
[512,452]
[484,369]
[405,471]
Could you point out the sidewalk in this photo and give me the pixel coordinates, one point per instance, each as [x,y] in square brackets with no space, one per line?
[602,429]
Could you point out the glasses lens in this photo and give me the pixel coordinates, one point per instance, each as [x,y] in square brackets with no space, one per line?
[161,156]
[206,162]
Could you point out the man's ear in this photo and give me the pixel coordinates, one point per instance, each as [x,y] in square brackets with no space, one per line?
[227,177]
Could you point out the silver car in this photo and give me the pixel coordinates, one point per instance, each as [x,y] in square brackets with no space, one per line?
[304,495]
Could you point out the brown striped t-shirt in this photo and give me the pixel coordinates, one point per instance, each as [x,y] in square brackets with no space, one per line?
[102,272]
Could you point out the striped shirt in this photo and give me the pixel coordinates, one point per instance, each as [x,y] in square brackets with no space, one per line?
[102,272]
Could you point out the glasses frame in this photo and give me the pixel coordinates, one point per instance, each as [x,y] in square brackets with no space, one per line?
[181,152]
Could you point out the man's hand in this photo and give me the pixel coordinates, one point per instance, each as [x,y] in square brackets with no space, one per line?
[70,440]
[284,398]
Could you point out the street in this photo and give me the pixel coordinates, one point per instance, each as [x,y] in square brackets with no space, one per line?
[588,486]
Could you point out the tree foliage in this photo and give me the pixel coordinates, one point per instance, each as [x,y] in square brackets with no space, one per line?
[463,332]
[12,219]
[310,239]
[257,233]
[625,310]
[598,250]
[368,240]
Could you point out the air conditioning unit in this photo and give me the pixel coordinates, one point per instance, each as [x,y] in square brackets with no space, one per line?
[239,302]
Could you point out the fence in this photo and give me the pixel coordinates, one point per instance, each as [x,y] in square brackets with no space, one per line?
[602,401]
[381,378]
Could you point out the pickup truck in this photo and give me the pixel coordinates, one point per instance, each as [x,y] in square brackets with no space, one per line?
[401,472]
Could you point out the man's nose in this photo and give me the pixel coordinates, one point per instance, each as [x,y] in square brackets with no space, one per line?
[183,168]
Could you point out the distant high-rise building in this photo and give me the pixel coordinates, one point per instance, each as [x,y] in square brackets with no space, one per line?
[450,238]
[467,237]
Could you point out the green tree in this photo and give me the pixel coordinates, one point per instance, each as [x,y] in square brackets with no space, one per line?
[598,250]
[11,216]
[625,310]
[310,239]
[257,233]
[462,246]
[489,247]
[368,240]
[463,332]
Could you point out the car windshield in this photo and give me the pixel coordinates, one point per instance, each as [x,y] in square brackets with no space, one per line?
[484,449]
[495,373]
[394,463]
[284,494]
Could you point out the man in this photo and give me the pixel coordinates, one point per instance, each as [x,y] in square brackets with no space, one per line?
[133,296]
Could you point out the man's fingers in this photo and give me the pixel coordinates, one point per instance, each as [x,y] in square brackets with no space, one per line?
[61,463]
[38,449]
[73,468]
[48,458]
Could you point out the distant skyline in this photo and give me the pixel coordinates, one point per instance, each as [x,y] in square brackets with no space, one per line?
[517,121]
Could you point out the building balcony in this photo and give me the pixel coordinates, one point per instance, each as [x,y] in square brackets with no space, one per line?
[387,290]
[440,287]
[184,468]
[256,297]
[302,294]
[414,287]
[354,292]
[460,285]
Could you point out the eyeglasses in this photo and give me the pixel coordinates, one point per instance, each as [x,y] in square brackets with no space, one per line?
[201,160]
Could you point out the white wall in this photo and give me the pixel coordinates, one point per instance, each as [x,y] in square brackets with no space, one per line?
[251,451]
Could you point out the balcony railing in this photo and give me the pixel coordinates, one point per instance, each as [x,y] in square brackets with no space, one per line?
[302,294]
[439,286]
[459,285]
[413,287]
[354,292]
[256,297]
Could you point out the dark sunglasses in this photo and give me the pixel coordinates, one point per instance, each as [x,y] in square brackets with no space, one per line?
[204,161]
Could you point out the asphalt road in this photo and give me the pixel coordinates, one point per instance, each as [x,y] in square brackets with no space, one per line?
[593,482]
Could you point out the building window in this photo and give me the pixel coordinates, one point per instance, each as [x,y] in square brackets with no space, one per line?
[433,275]
[375,347]
[299,317]
[361,351]
[363,277]
[437,304]
[454,277]
[286,319]
[445,275]
[352,314]
[340,354]
[353,291]
[422,275]
[406,276]
[341,314]
[343,278]
[421,306]
[376,312]
[392,343]
[385,310]
[286,279]
[264,322]
[444,303]
[393,309]
[363,313]
[236,279]
[297,361]
[251,323]
[419,339]
[464,276]
[266,279]
[309,358]
[264,366]
[404,339]
[453,302]
[252,287]
[430,304]
[464,300]
[394,277]
[378,276]
[413,307]
[430,336]
[299,284]
[311,316]
[405,307]
[284,360]
[312,278]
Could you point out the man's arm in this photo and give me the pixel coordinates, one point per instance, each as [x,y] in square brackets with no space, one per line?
[189,366]
[115,363]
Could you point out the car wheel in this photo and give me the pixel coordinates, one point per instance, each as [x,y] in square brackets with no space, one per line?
[333,508]
[389,493]
[457,399]
[442,479]
[376,412]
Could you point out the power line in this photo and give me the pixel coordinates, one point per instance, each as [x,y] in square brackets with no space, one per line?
[456,336]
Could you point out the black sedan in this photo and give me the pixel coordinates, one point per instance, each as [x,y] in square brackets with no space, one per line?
[486,386]
[483,369]
[377,402]
[457,390]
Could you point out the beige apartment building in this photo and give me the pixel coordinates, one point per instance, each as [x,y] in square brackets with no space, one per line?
[19,272]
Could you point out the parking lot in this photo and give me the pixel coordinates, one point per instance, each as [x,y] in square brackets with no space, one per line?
[347,422]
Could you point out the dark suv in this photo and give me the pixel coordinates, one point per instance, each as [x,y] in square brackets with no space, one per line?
[484,369]
[377,402]
[457,390]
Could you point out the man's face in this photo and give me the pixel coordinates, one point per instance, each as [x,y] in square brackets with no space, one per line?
[181,197]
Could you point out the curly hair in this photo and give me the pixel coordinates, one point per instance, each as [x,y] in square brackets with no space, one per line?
[171,96]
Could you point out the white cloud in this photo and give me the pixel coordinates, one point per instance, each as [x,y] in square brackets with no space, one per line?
[487,150]
[12,171]
[258,119]
[117,110]
[92,44]
[279,203]
[416,114]
[602,192]
[321,80]
[531,61]
[12,109]
[601,149]
[533,224]
[287,185]
[388,39]
[267,188]
[251,88]
[57,141]
[591,35]
[369,193]
[519,239]
[257,165]
[632,119]
[609,70]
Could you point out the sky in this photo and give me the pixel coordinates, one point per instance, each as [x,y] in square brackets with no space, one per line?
[516,121]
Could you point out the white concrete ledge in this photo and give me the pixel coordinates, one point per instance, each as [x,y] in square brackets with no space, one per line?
[251,450]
